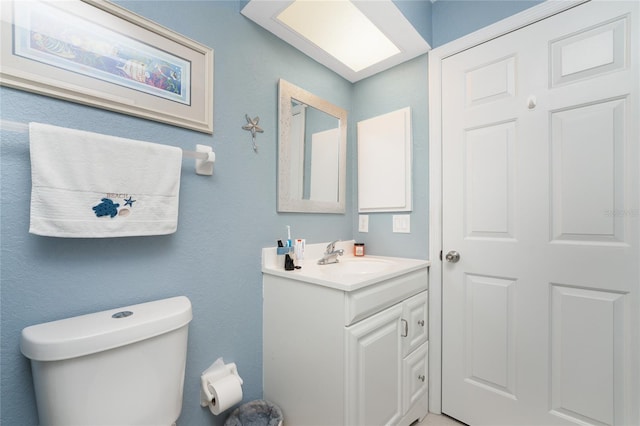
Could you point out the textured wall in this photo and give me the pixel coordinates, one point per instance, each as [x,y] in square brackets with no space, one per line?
[402,86]
[418,12]
[224,220]
[452,19]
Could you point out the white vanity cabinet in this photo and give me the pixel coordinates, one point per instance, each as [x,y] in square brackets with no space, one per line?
[387,365]
[346,356]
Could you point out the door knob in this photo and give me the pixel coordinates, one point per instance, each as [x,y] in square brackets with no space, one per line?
[453,256]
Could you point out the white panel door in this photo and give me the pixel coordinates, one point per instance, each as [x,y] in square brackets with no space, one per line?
[541,162]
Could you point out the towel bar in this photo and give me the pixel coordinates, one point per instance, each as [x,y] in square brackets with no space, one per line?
[203,155]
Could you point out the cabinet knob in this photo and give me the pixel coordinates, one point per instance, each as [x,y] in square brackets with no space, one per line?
[421,323]
[421,377]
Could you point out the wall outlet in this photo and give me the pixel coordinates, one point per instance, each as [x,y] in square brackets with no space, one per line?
[402,223]
[363,223]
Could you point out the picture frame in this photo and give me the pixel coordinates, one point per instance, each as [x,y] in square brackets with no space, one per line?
[97,53]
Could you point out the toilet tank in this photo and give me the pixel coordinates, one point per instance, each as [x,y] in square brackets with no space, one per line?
[120,367]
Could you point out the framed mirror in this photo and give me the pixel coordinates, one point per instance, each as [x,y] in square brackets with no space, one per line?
[312,151]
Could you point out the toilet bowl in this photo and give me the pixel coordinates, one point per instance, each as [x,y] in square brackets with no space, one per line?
[121,367]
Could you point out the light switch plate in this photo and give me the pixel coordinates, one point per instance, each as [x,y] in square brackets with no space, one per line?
[363,223]
[402,223]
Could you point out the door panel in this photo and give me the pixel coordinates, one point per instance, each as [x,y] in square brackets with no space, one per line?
[585,337]
[489,181]
[491,81]
[587,151]
[489,333]
[590,52]
[374,363]
[541,189]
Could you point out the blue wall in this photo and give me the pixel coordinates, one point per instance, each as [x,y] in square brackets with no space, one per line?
[452,19]
[418,12]
[402,86]
[224,220]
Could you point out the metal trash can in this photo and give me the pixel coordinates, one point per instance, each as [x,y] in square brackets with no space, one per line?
[256,413]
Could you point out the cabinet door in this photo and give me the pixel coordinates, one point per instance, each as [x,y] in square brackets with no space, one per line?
[374,363]
[416,327]
[415,377]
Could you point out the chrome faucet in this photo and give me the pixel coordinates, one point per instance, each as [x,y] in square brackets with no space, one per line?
[331,254]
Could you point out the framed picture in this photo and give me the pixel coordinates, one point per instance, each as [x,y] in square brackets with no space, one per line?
[97,53]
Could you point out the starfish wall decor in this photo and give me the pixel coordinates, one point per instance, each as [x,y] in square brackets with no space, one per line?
[252,126]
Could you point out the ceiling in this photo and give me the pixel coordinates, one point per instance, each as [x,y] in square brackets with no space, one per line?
[383,14]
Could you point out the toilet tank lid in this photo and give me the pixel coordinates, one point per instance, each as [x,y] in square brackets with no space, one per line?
[100,331]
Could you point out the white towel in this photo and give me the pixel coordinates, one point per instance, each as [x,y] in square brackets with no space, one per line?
[88,185]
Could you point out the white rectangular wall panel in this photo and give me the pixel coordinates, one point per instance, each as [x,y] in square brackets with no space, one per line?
[384,162]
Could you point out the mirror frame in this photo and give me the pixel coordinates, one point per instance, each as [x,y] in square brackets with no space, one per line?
[286,203]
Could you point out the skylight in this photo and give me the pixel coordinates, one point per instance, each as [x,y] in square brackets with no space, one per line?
[341,29]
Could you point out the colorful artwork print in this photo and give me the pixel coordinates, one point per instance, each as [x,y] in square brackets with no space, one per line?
[46,34]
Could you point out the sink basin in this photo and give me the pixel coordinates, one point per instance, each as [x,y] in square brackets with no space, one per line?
[351,273]
[356,267]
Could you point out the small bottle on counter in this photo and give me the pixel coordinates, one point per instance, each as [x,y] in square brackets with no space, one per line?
[358,249]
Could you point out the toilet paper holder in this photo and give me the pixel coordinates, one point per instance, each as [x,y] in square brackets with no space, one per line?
[215,372]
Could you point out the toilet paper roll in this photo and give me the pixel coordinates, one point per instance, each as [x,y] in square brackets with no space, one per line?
[226,392]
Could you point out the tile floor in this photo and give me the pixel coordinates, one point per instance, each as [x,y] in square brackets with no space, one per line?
[438,420]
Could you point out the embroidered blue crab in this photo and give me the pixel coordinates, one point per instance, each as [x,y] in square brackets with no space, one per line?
[106,208]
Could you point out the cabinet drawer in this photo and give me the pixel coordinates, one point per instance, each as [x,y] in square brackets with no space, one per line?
[416,380]
[367,301]
[415,315]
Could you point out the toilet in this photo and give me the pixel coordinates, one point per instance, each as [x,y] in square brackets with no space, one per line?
[121,367]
